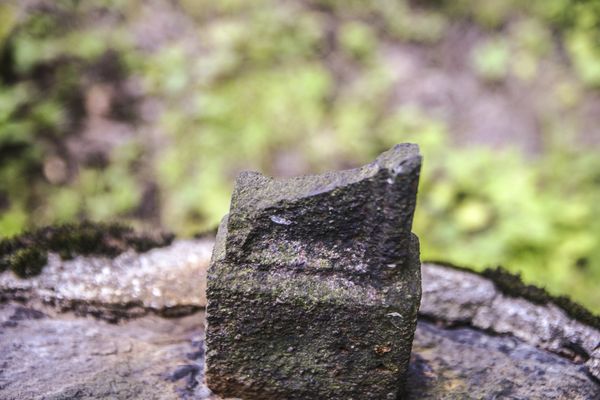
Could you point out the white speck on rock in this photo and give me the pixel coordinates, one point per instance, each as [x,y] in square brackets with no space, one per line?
[280,220]
[398,170]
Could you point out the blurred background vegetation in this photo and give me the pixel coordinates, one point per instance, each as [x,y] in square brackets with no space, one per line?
[145,111]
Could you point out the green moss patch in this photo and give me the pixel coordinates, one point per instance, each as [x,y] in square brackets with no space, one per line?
[26,254]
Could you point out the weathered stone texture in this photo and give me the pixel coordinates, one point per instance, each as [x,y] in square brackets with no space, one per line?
[59,357]
[162,281]
[46,354]
[458,297]
[314,284]
[465,363]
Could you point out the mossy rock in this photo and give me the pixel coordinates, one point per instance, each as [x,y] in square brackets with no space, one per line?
[512,285]
[315,283]
[26,254]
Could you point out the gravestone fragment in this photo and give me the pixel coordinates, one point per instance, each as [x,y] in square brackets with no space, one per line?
[314,284]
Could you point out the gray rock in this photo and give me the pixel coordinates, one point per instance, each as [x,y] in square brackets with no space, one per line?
[315,283]
[466,363]
[48,356]
[455,296]
[46,353]
[161,281]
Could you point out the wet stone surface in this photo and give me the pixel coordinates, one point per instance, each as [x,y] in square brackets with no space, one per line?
[314,285]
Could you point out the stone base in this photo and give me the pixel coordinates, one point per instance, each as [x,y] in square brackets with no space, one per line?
[309,337]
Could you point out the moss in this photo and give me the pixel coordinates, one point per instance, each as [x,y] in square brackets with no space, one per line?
[28,262]
[26,254]
[512,285]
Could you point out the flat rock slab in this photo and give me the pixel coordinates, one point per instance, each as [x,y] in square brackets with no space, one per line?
[457,297]
[48,354]
[168,280]
[45,356]
[465,363]
[66,357]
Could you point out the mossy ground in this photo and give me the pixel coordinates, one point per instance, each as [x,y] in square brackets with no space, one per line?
[26,254]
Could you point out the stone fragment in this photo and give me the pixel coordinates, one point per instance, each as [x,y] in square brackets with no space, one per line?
[314,284]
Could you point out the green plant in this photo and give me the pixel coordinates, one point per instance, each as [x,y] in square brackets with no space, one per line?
[289,88]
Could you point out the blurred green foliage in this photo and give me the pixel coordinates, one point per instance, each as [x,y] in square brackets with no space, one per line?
[296,87]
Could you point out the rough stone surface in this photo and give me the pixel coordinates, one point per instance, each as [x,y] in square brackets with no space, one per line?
[464,363]
[48,354]
[455,296]
[315,284]
[52,357]
[164,280]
